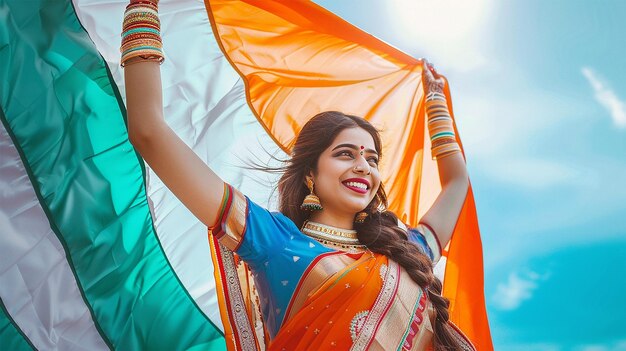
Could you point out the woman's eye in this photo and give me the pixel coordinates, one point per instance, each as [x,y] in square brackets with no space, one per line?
[373,160]
[345,153]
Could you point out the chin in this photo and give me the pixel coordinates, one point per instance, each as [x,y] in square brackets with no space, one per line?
[356,207]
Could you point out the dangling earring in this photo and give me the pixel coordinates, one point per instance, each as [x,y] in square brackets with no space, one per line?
[311,202]
[360,217]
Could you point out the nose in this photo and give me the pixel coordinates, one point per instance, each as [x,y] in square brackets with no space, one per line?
[361,165]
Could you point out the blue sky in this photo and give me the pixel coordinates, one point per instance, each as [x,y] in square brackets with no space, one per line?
[539,92]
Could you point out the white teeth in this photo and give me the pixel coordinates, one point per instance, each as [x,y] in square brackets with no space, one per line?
[357,185]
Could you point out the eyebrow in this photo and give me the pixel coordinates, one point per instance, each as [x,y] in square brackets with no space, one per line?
[354,147]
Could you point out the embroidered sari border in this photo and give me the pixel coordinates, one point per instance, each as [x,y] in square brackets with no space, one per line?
[381,307]
[231,300]
[407,310]
[415,306]
[221,293]
[390,334]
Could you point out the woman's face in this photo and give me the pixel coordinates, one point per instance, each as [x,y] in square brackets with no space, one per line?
[347,177]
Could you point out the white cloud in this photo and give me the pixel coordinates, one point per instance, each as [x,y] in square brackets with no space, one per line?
[510,295]
[606,97]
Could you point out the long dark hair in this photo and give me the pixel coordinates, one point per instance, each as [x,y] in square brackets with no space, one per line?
[380,231]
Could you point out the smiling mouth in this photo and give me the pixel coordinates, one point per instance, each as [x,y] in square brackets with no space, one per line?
[357,187]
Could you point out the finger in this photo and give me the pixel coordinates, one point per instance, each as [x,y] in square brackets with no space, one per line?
[433,73]
[428,75]
[427,70]
[432,69]
[436,74]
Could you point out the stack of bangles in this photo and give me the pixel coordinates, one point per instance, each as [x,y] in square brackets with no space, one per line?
[440,126]
[141,36]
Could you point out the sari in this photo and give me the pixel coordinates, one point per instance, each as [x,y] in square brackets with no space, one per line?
[279,289]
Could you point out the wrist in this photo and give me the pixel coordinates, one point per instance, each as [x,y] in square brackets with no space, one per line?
[141,36]
[440,126]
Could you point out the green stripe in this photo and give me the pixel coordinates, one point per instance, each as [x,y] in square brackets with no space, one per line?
[62,109]
[11,336]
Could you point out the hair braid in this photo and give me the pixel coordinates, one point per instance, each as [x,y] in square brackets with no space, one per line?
[381,233]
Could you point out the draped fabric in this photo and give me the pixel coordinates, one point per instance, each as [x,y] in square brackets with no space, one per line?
[96,253]
[389,312]
[297,59]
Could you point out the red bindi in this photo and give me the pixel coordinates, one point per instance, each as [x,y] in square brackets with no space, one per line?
[362,147]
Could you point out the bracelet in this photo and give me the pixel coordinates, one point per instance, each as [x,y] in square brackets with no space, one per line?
[435,95]
[141,33]
[440,126]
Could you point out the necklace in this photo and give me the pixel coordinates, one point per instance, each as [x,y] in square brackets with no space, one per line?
[329,235]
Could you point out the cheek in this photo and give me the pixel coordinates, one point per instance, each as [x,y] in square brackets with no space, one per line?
[377,183]
[326,183]
[325,186]
[329,172]
[376,177]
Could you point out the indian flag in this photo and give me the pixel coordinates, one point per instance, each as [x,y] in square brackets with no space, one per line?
[95,252]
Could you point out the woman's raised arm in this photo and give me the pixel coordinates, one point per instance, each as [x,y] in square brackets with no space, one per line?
[182,171]
[444,213]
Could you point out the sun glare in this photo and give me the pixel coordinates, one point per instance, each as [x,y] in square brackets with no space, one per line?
[440,25]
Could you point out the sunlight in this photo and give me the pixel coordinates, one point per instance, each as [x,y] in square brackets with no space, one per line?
[445,27]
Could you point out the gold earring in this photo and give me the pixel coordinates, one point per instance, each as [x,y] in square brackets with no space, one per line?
[360,217]
[311,202]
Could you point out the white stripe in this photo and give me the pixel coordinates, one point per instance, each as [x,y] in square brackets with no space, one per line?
[36,282]
[204,103]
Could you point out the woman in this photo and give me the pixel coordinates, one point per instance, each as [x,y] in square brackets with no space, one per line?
[333,268]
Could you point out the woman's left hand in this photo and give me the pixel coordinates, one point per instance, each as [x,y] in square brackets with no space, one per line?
[433,82]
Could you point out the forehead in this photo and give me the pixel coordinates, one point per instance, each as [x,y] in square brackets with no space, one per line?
[356,136]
